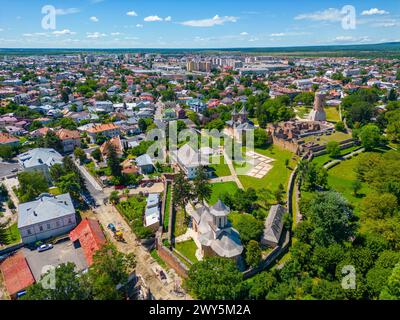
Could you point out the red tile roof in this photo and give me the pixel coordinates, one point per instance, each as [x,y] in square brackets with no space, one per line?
[7,138]
[16,273]
[65,134]
[102,127]
[90,236]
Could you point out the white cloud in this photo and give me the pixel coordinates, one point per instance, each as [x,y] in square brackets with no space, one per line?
[139,25]
[63,32]
[216,20]
[63,12]
[169,18]
[347,39]
[95,35]
[374,11]
[153,19]
[281,34]
[244,33]
[115,33]
[131,13]
[330,14]
[94,19]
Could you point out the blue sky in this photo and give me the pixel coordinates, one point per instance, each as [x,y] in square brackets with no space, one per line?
[195,24]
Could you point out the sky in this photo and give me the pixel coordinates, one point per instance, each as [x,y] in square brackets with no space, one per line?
[195,24]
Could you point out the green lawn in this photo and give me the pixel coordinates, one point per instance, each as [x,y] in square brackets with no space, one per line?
[167,204]
[180,223]
[219,188]
[325,158]
[156,257]
[220,167]
[13,234]
[341,177]
[303,111]
[332,114]
[337,136]
[187,249]
[55,191]
[279,172]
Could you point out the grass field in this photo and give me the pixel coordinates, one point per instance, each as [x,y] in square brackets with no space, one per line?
[303,111]
[187,249]
[167,205]
[279,172]
[332,114]
[220,167]
[219,188]
[180,226]
[13,235]
[341,177]
[321,160]
[337,136]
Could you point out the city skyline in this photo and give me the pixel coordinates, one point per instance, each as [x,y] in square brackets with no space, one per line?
[177,24]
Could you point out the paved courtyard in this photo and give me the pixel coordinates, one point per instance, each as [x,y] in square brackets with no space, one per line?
[62,252]
[261,165]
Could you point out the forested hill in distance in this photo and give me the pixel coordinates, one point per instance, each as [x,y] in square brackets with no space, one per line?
[389,50]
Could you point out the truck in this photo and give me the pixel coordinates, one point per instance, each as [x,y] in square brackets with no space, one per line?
[118,235]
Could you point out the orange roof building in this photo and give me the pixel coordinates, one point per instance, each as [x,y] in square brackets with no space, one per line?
[6,138]
[116,143]
[102,128]
[17,274]
[90,236]
[65,134]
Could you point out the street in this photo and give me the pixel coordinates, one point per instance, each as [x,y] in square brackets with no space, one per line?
[145,264]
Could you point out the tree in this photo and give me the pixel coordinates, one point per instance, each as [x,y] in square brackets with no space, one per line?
[260,286]
[69,183]
[114,197]
[50,140]
[68,286]
[57,171]
[260,138]
[6,152]
[333,149]
[3,233]
[253,253]
[113,161]
[248,227]
[370,136]
[183,190]
[332,218]
[110,269]
[31,184]
[393,126]
[80,154]
[392,289]
[96,154]
[339,126]
[201,185]
[215,278]
[279,192]
[356,186]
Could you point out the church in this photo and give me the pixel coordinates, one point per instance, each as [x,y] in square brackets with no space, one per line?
[239,124]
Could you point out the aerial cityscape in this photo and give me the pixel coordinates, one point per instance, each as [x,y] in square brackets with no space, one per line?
[178,152]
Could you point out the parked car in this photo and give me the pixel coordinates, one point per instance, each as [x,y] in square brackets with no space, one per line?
[45,247]
[111,227]
[119,187]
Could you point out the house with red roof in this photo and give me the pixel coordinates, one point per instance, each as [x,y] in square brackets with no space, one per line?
[90,237]
[16,273]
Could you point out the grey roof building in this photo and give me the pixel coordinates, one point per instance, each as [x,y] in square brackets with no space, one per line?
[45,217]
[40,159]
[273,226]
[215,233]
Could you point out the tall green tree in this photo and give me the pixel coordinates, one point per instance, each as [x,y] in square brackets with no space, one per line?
[113,161]
[392,289]
[201,186]
[253,253]
[183,190]
[215,279]
[31,184]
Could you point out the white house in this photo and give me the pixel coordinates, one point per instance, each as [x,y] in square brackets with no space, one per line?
[40,159]
[46,217]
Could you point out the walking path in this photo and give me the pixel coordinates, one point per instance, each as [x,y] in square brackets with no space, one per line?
[347,156]
[233,172]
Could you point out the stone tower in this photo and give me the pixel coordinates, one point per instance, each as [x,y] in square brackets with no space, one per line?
[318,112]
